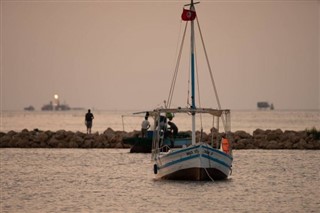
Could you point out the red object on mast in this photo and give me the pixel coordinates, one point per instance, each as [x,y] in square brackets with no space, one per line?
[188,15]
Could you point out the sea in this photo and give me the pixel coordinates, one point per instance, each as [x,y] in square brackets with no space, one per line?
[73,120]
[114,180]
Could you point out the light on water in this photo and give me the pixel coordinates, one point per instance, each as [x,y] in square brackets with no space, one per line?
[114,180]
[118,120]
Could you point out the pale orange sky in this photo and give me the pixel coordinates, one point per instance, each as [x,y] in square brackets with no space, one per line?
[121,54]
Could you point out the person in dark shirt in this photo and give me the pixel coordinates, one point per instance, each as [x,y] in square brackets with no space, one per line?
[88,121]
[173,132]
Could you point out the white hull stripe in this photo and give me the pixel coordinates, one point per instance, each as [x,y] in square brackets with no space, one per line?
[218,151]
[216,160]
[191,157]
[178,161]
[182,150]
[195,147]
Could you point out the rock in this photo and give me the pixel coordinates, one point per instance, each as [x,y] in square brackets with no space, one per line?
[42,137]
[53,142]
[241,144]
[73,144]
[60,135]
[258,132]
[5,141]
[119,145]
[242,134]
[87,143]
[2,134]
[272,145]
[274,135]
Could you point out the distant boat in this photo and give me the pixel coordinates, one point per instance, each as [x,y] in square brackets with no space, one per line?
[265,105]
[52,107]
[29,108]
[271,106]
[55,105]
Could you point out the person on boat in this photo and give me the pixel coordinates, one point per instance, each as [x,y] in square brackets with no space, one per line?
[145,125]
[225,145]
[173,131]
[88,121]
[163,122]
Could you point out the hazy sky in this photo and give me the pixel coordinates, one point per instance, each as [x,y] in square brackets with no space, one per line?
[122,54]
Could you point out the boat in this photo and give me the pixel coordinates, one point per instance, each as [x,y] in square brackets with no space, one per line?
[201,160]
[52,107]
[144,144]
[265,105]
[29,108]
[271,106]
[55,105]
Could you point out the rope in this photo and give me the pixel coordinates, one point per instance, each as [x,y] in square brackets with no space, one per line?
[198,88]
[205,169]
[211,75]
[176,68]
[208,172]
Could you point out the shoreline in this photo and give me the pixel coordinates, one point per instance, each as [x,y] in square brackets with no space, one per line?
[260,139]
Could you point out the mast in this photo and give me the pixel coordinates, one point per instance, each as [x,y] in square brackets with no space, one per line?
[193,103]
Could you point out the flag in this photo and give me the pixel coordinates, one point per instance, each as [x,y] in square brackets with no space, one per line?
[188,15]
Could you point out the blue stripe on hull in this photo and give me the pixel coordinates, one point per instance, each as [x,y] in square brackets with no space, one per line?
[216,160]
[194,156]
[195,147]
[179,161]
[218,151]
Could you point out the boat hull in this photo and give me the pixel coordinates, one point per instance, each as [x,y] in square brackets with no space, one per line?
[196,162]
[139,145]
[200,174]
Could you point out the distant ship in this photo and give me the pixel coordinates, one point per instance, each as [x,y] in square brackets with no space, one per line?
[29,108]
[52,107]
[55,105]
[265,105]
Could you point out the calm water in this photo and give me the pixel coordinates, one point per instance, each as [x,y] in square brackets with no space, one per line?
[119,120]
[113,180]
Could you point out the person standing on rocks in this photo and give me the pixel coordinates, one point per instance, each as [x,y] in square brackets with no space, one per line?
[88,121]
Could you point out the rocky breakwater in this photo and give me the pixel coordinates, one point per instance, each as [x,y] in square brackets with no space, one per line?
[260,139]
[62,139]
[272,139]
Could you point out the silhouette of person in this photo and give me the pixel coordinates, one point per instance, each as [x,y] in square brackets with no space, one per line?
[145,125]
[88,121]
[173,132]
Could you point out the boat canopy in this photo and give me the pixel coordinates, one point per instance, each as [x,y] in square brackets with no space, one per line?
[213,112]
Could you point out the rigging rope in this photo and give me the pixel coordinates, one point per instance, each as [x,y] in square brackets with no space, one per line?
[176,69]
[211,75]
[209,67]
[171,92]
[198,88]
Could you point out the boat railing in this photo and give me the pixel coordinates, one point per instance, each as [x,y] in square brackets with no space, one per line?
[164,148]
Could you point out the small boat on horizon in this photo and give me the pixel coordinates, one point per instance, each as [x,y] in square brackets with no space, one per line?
[29,108]
[55,105]
[265,105]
